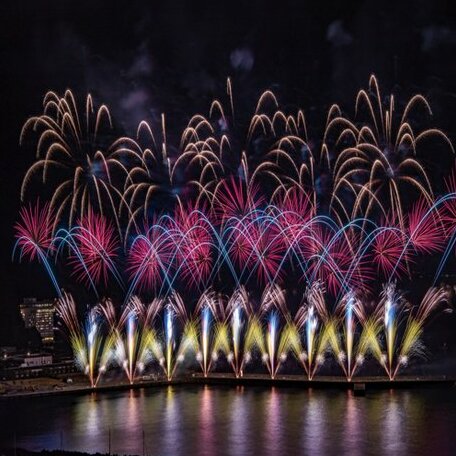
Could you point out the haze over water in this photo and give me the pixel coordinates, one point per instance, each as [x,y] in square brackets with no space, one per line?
[237,421]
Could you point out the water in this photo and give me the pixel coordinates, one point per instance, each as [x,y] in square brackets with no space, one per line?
[237,421]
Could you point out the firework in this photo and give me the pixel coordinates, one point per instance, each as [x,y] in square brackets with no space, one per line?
[236,328]
[390,333]
[411,344]
[383,153]
[91,348]
[68,147]
[96,244]
[388,251]
[34,237]
[271,342]
[137,343]
[192,237]
[148,173]
[149,258]
[236,204]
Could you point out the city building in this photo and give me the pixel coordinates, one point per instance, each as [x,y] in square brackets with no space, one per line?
[39,315]
[32,365]
[36,360]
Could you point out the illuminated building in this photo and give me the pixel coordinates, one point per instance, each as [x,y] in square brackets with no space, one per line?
[39,315]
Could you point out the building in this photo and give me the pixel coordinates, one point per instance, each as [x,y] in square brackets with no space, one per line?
[36,360]
[39,315]
[34,365]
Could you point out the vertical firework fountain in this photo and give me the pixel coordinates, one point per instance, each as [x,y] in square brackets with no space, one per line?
[390,323]
[236,328]
[169,341]
[205,339]
[271,342]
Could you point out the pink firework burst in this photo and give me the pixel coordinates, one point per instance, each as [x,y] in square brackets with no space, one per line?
[239,244]
[268,249]
[330,260]
[97,244]
[149,257]
[192,238]
[295,212]
[425,228]
[309,239]
[235,198]
[34,230]
[388,251]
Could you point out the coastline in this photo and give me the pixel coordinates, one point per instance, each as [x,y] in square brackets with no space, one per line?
[257,380]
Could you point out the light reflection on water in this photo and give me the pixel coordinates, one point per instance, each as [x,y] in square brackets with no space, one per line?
[353,427]
[314,419]
[207,421]
[273,422]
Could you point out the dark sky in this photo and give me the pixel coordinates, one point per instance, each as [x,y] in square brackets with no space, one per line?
[147,57]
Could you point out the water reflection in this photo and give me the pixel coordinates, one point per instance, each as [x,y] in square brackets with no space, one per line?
[354,429]
[89,417]
[273,422]
[240,441]
[171,423]
[239,421]
[394,424]
[206,438]
[313,426]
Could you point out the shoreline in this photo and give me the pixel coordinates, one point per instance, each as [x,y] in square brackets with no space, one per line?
[262,380]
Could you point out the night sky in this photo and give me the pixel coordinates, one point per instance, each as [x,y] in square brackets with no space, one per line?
[143,58]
